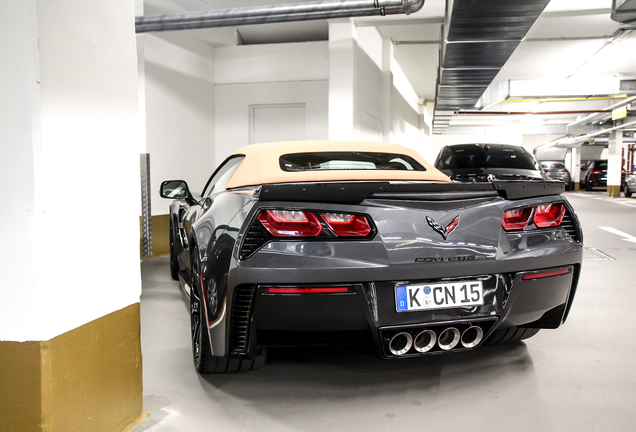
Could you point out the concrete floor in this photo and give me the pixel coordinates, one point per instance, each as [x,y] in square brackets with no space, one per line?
[581,377]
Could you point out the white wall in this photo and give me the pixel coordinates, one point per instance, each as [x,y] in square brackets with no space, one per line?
[179,106]
[70,238]
[275,74]
[370,97]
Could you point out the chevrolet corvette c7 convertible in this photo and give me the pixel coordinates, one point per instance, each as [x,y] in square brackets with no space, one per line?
[324,241]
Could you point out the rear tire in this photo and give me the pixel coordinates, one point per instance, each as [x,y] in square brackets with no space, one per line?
[511,334]
[204,361]
[588,186]
[626,190]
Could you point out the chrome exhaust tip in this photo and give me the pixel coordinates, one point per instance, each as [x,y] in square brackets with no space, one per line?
[400,343]
[425,341]
[449,338]
[472,336]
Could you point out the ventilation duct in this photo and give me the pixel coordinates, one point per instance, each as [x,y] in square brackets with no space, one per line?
[624,11]
[478,38]
[275,14]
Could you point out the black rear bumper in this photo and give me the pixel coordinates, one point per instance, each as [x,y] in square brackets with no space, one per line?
[509,301]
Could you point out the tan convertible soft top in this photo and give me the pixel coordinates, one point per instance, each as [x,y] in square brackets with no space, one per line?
[262,166]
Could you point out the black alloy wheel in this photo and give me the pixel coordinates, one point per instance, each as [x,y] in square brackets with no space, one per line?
[174,264]
[204,362]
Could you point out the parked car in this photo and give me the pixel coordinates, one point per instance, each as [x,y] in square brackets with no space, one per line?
[315,242]
[482,162]
[594,174]
[629,184]
[556,171]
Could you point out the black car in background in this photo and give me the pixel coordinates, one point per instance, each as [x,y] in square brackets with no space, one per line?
[556,171]
[484,162]
[594,173]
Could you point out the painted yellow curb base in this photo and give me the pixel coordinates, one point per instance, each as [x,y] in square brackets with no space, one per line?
[86,380]
[614,191]
[160,236]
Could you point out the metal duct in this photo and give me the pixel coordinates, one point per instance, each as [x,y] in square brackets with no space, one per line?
[478,38]
[624,11]
[275,14]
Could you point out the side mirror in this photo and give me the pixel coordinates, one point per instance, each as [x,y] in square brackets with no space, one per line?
[176,189]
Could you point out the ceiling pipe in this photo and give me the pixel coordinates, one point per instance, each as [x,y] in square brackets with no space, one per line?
[275,14]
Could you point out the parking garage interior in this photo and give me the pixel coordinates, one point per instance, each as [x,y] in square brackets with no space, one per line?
[102,101]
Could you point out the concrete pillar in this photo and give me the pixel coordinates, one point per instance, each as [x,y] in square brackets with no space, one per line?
[387,88]
[69,172]
[614,163]
[342,85]
[575,171]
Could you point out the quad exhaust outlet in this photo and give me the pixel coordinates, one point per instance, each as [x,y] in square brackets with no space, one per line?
[435,338]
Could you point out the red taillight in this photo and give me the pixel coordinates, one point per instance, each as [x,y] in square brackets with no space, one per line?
[330,290]
[595,172]
[347,225]
[516,219]
[290,223]
[546,274]
[565,172]
[545,216]
[549,215]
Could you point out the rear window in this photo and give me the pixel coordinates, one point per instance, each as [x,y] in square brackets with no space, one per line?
[552,165]
[325,161]
[485,156]
[600,164]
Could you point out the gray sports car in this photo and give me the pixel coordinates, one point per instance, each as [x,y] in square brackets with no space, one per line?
[315,242]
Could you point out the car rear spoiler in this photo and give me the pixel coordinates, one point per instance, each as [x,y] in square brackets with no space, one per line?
[356,192]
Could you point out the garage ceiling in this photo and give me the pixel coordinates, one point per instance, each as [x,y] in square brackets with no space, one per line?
[568,66]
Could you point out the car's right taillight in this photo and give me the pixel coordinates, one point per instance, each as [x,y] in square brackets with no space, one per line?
[516,219]
[549,215]
[290,223]
[543,216]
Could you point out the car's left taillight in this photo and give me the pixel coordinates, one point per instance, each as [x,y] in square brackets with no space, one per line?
[347,225]
[290,223]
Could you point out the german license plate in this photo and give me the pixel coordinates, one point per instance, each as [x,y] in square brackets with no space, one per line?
[439,296]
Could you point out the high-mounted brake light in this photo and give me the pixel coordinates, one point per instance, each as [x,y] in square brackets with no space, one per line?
[290,223]
[516,219]
[549,215]
[347,225]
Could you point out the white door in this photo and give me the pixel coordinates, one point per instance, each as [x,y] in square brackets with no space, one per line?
[273,123]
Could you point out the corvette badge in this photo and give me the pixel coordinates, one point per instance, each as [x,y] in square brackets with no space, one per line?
[444,232]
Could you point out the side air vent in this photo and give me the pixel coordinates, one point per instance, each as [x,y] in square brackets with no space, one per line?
[255,237]
[241,317]
[569,227]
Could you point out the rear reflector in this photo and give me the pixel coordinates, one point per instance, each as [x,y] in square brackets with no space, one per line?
[347,225]
[549,215]
[290,223]
[516,219]
[546,274]
[330,290]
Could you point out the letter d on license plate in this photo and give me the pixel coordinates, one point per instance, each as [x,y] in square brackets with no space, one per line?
[439,296]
